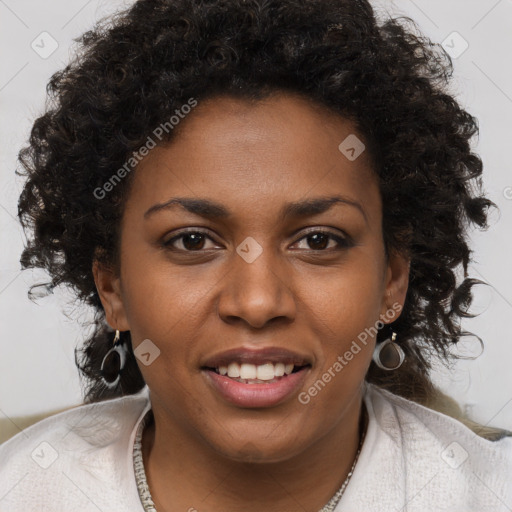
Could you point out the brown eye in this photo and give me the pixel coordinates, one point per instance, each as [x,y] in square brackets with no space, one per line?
[193,241]
[319,241]
[190,241]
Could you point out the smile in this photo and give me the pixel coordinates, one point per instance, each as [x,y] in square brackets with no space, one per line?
[250,379]
[252,374]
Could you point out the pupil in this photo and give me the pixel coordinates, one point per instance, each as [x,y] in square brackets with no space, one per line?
[315,238]
[196,239]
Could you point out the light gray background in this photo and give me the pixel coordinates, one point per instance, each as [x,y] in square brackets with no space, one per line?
[37,371]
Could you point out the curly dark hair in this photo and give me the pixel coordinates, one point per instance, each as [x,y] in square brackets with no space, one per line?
[135,69]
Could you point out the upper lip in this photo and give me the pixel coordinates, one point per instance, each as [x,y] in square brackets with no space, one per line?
[256,357]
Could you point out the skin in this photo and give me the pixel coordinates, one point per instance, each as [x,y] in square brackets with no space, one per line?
[203,452]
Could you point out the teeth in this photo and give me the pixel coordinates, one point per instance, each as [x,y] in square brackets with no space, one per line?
[279,369]
[247,371]
[233,370]
[263,372]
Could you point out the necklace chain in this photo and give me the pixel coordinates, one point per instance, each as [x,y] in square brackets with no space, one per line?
[145,494]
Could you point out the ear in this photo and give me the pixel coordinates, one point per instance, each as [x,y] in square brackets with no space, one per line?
[396,284]
[108,284]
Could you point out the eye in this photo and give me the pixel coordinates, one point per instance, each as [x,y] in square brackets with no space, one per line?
[190,241]
[318,240]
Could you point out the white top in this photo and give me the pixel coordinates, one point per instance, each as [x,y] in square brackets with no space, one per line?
[413,460]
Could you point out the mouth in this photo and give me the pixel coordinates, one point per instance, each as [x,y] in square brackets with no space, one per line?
[252,379]
[266,373]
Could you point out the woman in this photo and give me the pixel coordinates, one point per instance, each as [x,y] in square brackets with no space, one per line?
[267,205]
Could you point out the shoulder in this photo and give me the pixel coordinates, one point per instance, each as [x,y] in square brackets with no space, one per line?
[411,420]
[72,457]
[438,456]
[414,415]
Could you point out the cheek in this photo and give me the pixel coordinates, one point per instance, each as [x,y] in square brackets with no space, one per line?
[347,310]
[159,309]
[160,306]
[157,295]
[350,299]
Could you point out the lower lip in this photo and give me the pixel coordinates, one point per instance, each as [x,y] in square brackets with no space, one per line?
[256,395]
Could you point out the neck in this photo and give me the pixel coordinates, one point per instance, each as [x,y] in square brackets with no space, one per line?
[182,475]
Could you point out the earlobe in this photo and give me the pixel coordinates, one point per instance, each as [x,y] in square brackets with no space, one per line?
[109,291]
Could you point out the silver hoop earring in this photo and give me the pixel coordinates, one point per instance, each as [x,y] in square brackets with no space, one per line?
[389,355]
[113,363]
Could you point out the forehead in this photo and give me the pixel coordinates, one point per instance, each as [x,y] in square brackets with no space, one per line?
[279,120]
[274,150]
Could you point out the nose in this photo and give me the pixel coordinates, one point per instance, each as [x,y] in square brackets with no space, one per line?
[257,293]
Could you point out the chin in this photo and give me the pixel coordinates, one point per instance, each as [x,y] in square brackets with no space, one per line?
[258,449]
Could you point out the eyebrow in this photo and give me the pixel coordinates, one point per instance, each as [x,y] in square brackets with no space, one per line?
[211,209]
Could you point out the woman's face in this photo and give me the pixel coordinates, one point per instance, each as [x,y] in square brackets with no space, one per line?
[257,267]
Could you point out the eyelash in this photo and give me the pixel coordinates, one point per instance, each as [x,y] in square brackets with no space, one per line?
[343,242]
